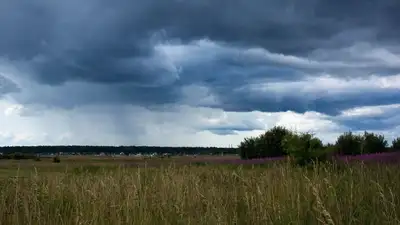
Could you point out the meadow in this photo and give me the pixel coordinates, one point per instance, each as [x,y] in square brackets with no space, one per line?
[203,190]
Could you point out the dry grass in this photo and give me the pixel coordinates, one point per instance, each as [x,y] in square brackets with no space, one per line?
[281,194]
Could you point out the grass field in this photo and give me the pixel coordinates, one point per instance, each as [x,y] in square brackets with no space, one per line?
[185,190]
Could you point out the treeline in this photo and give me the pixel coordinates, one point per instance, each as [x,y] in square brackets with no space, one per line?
[305,147]
[116,150]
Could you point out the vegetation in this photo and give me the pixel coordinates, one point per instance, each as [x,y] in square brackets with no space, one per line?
[88,150]
[374,143]
[396,144]
[349,144]
[18,156]
[268,144]
[188,190]
[199,194]
[248,149]
[305,148]
[56,159]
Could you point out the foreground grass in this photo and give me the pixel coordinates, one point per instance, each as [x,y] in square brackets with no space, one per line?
[280,194]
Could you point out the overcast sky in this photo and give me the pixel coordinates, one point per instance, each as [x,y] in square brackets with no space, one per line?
[196,72]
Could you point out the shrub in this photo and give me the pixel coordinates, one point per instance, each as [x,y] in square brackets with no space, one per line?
[17,156]
[56,159]
[374,143]
[247,148]
[305,149]
[268,144]
[396,144]
[329,145]
[349,144]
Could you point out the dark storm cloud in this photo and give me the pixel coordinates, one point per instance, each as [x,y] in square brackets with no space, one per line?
[331,105]
[93,32]
[113,45]
[7,86]
[386,120]
[73,95]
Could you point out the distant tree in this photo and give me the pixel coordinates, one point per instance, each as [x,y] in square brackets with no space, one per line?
[396,144]
[270,143]
[349,144]
[374,143]
[352,144]
[328,145]
[248,148]
[76,149]
[305,148]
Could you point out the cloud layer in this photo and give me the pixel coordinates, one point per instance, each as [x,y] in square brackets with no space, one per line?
[150,72]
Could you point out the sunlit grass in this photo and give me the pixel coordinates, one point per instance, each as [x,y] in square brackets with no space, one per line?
[203,194]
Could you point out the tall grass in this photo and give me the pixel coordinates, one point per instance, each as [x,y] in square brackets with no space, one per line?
[281,194]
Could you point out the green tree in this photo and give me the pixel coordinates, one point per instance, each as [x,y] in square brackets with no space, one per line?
[248,148]
[374,143]
[396,144]
[305,148]
[268,144]
[349,144]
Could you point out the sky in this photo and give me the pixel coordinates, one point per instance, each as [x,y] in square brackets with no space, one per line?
[196,72]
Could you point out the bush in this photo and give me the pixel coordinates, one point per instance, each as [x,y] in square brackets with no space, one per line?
[56,159]
[349,144]
[268,144]
[17,156]
[396,144]
[374,143]
[305,149]
[247,148]
[329,145]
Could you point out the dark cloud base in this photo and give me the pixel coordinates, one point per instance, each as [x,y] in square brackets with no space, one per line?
[110,48]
